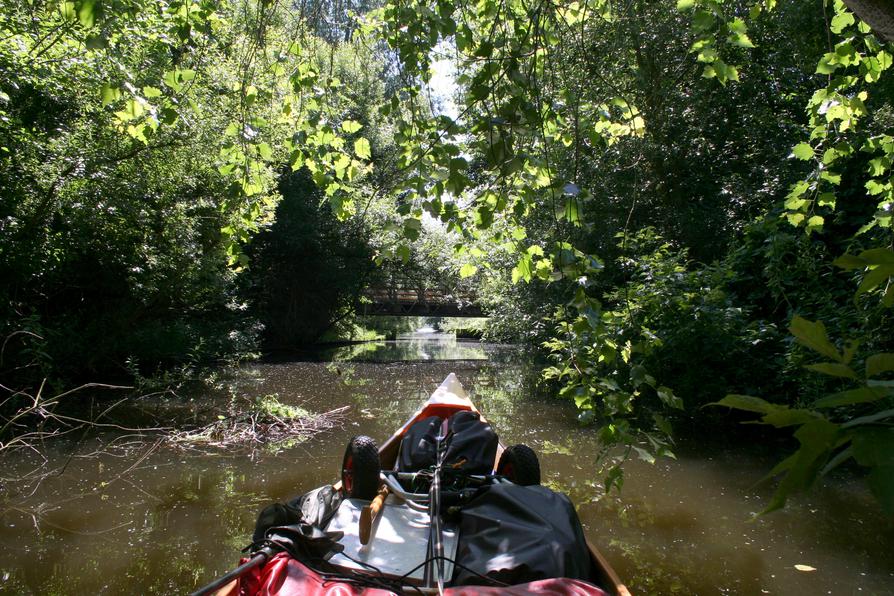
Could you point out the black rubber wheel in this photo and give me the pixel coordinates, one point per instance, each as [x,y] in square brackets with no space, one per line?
[360,468]
[519,464]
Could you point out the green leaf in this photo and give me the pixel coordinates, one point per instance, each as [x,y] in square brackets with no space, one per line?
[874,446]
[850,350]
[878,256]
[571,211]
[795,218]
[68,11]
[745,402]
[773,414]
[702,20]
[840,21]
[467,270]
[814,223]
[412,227]
[96,42]
[535,249]
[110,94]
[662,424]
[644,455]
[874,279]
[778,469]
[523,270]
[827,64]
[739,33]
[817,439]
[666,395]
[170,79]
[132,109]
[879,363]
[362,149]
[684,5]
[826,199]
[881,483]
[737,25]
[151,92]
[813,335]
[833,369]
[87,13]
[831,177]
[483,216]
[265,151]
[852,396]
[803,151]
[839,458]
[351,126]
[849,262]
[741,40]
[870,419]
[782,416]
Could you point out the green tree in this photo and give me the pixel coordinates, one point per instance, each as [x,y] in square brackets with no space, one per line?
[308,269]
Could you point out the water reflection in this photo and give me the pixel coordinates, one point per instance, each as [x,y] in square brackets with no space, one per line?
[157,521]
[424,345]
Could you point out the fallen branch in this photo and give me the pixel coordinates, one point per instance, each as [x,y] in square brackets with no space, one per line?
[256,429]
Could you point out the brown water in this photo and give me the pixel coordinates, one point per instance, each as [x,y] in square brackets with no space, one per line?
[128,516]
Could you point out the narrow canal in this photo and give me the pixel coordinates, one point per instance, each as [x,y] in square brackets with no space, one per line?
[125,515]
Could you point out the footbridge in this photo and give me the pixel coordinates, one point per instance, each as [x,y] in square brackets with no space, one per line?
[403,299]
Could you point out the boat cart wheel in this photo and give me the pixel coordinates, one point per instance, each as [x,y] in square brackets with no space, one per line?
[520,465]
[360,468]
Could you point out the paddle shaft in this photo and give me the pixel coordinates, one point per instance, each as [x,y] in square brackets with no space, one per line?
[259,559]
[368,515]
[436,540]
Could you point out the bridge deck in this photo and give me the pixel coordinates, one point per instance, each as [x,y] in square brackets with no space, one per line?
[412,302]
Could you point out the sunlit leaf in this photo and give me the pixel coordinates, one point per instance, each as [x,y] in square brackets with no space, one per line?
[840,21]
[87,13]
[467,270]
[803,151]
[361,148]
[110,94]
[523,270]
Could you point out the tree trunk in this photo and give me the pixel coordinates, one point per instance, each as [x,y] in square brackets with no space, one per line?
[878,14]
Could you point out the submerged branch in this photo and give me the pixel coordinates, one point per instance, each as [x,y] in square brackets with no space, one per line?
[257,429]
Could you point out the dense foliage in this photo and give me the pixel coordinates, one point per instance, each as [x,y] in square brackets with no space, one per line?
[668,197]
[308,269]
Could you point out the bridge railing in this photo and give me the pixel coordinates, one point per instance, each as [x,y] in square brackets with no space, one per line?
[410,301]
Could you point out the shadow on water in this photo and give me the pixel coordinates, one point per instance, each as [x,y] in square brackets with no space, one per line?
[145,518]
